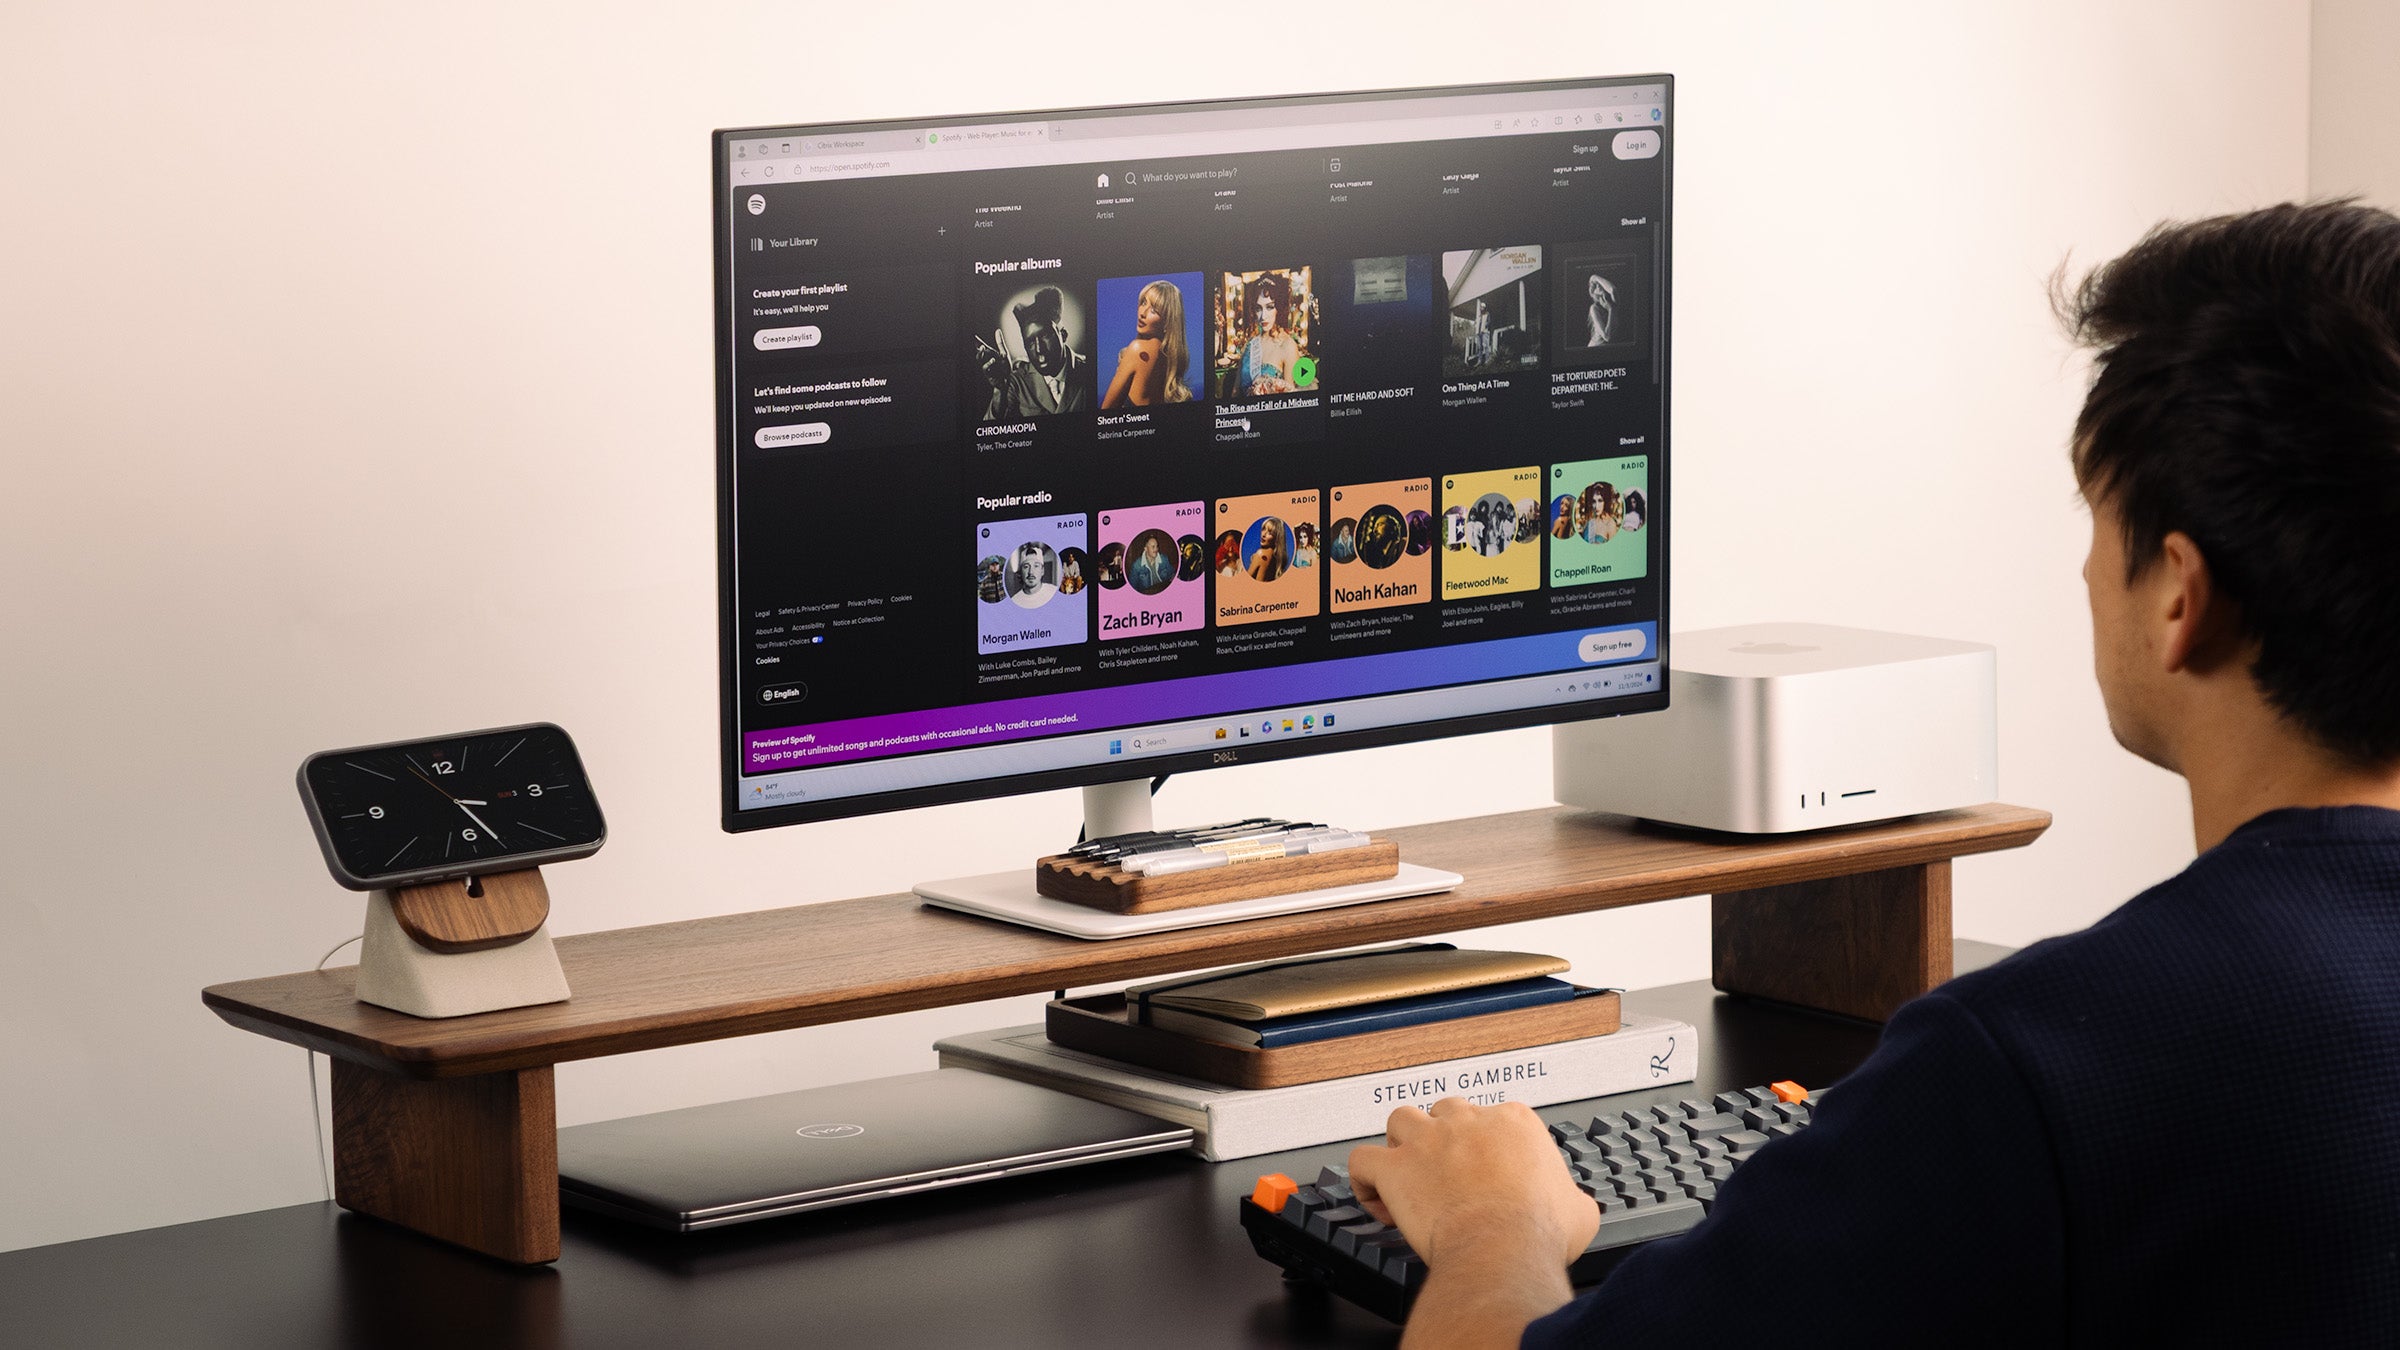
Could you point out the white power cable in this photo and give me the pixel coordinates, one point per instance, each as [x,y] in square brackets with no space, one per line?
[316,1118]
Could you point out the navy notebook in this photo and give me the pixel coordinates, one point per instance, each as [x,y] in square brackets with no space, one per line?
[1301,1028]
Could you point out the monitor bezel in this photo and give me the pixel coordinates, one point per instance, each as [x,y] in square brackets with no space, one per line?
[736,820]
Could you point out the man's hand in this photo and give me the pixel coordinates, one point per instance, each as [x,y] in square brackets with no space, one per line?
[1464,1176]
[1483,1198]
[991,362]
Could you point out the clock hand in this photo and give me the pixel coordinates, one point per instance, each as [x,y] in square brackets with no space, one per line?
[469,801]
[495,834]
[420,773]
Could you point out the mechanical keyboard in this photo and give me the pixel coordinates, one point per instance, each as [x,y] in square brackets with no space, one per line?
[1653,1173]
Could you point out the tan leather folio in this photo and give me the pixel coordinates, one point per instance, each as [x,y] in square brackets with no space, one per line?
[1315,983]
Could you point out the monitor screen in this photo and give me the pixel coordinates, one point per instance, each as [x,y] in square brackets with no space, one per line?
[1060,448]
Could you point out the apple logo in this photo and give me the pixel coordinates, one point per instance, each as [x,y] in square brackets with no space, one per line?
[1775,648]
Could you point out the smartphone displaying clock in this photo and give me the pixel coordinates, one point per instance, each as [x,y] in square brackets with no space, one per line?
[472,804]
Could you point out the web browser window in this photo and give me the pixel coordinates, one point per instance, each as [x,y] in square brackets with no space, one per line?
[1089,438]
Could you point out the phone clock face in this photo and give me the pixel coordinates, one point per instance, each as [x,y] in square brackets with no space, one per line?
[483,801]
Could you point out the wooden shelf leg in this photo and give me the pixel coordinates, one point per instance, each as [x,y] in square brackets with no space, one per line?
[472,1161]
[1858,945]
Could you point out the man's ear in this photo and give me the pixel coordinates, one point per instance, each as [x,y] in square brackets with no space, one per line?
[2199,633]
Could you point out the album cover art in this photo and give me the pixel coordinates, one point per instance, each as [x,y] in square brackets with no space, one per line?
[1495,298]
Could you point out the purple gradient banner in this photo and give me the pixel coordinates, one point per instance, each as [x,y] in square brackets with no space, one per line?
[799,747]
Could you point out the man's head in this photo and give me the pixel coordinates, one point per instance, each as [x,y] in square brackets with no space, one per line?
[2240,448]
[1038,322]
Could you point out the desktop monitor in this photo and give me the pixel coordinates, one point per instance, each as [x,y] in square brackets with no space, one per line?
[1076,447]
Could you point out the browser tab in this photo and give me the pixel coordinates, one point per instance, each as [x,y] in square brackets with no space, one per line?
[1006,134]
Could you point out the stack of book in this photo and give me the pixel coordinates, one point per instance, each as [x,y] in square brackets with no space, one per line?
[1321,998]
[1318,1049]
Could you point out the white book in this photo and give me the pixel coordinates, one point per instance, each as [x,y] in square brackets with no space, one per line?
[1237,1123]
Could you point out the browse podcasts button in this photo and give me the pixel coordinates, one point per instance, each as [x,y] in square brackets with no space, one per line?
[784,339]
[1617,644]
[804,433]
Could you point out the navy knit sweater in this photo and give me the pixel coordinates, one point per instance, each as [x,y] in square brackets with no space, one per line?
[2181,1124]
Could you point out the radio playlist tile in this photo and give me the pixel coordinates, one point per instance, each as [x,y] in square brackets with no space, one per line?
[1379,548]
[1599,517]
[1491,532]
[1151,565]
[1030,583]
[1266,557]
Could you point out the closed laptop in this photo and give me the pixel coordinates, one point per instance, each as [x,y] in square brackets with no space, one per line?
[707,1166]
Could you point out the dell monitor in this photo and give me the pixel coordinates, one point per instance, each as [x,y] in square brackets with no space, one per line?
[1072,448]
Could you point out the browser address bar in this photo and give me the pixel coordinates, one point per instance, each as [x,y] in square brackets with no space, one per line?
[1029,144]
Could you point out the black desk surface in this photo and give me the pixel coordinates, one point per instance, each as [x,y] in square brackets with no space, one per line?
[1144,1252]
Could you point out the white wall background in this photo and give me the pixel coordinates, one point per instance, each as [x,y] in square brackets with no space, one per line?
[2354,101]
[355,384]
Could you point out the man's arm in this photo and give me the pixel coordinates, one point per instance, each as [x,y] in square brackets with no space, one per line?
[1484,1199]
[1923,1207]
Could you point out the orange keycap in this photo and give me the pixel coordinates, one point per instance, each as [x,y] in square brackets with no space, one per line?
[1788,1091]
[1273,1189]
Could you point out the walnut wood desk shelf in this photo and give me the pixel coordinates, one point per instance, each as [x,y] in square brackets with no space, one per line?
[450,1127]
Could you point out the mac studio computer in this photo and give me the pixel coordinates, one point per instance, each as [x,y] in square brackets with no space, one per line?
[1074,448]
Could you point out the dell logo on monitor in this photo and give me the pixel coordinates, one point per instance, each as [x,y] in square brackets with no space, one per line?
[1226,757]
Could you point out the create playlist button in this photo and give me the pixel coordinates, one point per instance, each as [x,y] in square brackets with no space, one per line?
[804,433]
[783,339]
[1617,644]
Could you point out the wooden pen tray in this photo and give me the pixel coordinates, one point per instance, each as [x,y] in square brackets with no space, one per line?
[1109,887]
[1099,1024]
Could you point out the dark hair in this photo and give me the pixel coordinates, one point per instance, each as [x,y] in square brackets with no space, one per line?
[2248,396]
[1276,285]
[1045,307]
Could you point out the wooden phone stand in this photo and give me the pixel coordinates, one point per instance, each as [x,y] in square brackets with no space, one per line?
[470,945]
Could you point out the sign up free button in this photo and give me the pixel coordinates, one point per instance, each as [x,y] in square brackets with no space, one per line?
[1617,644]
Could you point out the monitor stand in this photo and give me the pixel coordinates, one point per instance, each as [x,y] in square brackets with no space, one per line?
[1124,808]
[1117,808]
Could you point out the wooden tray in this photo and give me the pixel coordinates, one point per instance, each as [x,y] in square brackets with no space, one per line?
[1109,887]
[1098,1024]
